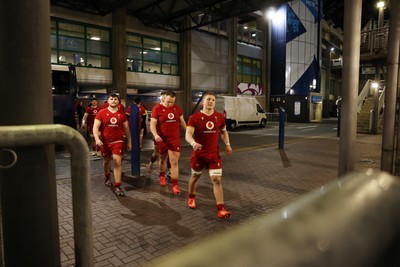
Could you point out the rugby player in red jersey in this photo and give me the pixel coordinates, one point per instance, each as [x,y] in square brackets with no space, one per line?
[114,125]
[88,121]
[205,126]
[166,120]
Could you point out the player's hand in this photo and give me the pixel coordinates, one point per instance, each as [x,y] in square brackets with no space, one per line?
[158,138]
[228,150]
[99,143]
[129,146]
[196,146]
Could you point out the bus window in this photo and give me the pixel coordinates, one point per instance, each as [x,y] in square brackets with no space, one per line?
[64,89]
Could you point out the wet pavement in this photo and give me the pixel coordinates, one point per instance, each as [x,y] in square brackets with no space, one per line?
[257,178]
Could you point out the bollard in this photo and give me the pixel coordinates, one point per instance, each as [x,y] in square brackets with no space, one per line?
[135,131]
[282,117]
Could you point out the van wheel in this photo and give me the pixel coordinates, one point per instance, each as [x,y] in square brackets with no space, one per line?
[263,123]
[232,125]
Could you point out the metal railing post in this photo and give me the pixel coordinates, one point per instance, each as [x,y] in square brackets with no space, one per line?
[33,135]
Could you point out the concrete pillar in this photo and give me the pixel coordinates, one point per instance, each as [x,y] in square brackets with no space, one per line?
[232,57]
[27,189]
[119,52]
[391,89]
[185,55]
[351,63]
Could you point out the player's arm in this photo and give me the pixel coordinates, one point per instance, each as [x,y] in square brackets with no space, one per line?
[96,132]
[153,129]
[182,122]
[189,138]
[84,119]
[225,139]
[127,133]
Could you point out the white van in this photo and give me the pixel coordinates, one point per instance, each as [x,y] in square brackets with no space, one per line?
[239,111]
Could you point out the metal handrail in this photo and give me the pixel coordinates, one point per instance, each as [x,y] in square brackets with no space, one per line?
[363,94]
[29,135]
[349,222]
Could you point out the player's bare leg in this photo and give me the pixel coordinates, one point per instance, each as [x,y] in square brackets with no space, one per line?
[174,159]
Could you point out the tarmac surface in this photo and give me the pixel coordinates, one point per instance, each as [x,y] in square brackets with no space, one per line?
[150,222]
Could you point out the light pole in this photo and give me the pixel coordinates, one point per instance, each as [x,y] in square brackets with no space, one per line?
[381,6]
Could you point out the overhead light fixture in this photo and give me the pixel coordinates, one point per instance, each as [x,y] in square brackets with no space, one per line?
[245,27]
[95,38]
[381,4]
[269,14]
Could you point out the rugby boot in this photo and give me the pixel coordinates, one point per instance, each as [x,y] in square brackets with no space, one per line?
[118,190]
[163,182]
[191,202]
[223,213]
[175,190]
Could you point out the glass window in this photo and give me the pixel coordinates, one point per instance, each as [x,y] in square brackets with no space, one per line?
[53,27]
[69,43]
[134,53]
[146,54]
[151,67]
[95,61]
[249,70]
[151,44]
[169,47]
[151,55]
[69,29]
[98,47]
[96,34]
[170,58]
[53,41]
[54,57]
[80,44]
[134,65]
[133,40]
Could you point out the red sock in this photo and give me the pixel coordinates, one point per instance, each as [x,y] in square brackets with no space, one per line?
[220,206]
[108,175]
[117,184]
[191,196]
[174,182]
[162,174]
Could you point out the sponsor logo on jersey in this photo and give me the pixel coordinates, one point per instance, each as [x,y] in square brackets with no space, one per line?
[209,125]
[171,116]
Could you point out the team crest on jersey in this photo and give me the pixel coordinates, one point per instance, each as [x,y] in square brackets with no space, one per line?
[171,116]
[210,125]
[113,120]
[95,111]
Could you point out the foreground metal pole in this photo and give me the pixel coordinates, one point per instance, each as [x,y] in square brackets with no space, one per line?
[350,222]
[28,191]
[36,135]
[389,114]
[351,63]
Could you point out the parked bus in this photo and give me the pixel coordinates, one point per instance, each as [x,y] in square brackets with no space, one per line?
[64,88]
